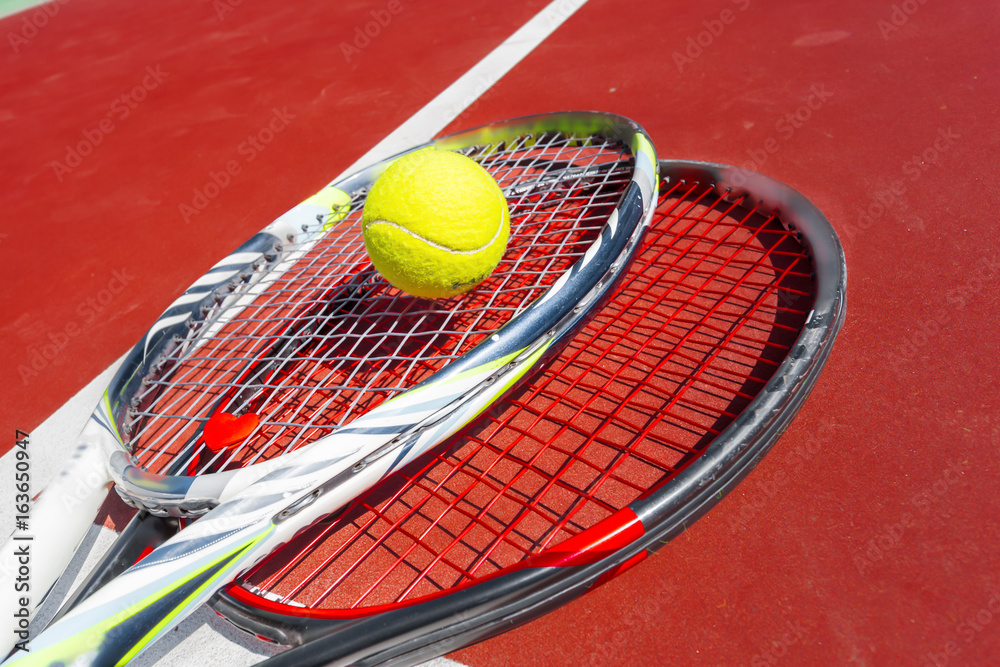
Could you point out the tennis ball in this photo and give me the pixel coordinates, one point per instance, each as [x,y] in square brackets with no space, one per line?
[435,223]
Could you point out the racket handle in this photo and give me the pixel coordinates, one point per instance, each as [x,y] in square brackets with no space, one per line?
[32,560]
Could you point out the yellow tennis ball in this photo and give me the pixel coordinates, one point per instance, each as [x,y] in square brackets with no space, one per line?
[435,223]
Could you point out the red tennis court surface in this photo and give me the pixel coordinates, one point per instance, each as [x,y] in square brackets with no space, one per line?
[143,141]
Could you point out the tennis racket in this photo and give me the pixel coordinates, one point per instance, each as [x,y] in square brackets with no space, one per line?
[655,410]
[291,377]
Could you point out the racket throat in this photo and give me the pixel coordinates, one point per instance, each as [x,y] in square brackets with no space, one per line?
[142,534]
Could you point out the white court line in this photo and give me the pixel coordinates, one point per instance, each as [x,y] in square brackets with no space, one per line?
[14,7]
[457,97]
[203,638]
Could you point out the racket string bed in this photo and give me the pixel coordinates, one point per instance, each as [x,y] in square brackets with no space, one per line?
[291,379]
[713,301]
[327,339]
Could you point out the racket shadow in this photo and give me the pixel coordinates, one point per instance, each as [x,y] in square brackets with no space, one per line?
[712,306]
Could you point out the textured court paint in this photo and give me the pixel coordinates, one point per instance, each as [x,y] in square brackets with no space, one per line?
[781,549]
[457,97]
[466,91]
[780,558]
[220,88]
[47,125]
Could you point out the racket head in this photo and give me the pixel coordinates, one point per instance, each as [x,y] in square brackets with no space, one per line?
[585,183]
[714,219]
[241,338]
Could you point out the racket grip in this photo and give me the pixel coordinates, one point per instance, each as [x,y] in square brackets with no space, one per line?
[32,560]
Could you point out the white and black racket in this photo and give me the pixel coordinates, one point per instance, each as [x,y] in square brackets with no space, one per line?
[291,377]
[659,406]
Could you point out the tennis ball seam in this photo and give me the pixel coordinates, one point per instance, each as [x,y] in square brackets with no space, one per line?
[453,251]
